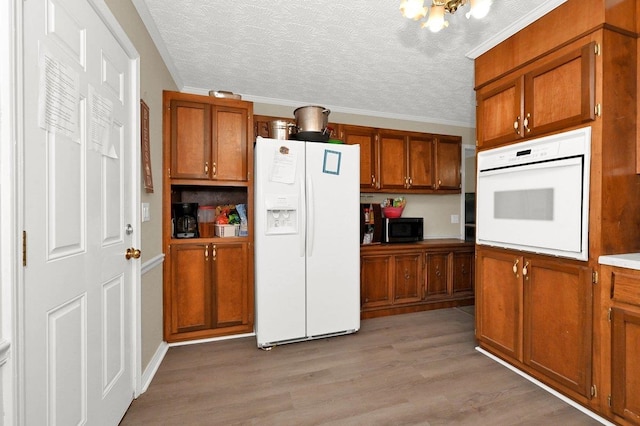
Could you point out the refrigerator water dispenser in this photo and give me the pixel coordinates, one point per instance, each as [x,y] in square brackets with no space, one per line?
[282,214]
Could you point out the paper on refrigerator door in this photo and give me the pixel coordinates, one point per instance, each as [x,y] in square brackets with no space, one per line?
[284,165]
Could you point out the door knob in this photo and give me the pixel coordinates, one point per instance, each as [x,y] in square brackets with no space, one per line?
[132,253]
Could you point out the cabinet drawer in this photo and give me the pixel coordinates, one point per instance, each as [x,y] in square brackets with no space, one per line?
[625,288]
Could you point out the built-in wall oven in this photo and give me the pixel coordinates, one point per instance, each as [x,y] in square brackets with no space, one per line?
[534,195]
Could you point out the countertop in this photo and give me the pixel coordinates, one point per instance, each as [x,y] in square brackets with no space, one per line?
[626,260]
[424,244]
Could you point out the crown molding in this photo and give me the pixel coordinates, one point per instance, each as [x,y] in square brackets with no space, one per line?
[367,113]
[535,14]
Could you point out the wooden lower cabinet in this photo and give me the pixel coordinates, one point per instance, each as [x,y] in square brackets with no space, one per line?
[406,278]
[209,292]
[536,312]
[621,344]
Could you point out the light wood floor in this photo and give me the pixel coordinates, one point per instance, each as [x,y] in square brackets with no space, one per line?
[412,369]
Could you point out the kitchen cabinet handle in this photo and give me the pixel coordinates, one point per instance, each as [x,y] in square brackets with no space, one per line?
[525,123]
[206,253]
[373,181]
[214,252]
[206,167]
[410,181]
[525,271]
[516,125]
[214,168]
[515,267]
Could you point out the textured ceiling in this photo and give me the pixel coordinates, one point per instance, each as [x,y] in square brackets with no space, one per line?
[355,56]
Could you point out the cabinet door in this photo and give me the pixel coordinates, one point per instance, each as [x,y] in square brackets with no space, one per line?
[393,161]
[462,273]
[449,159]
[408,278]
[625,363]
[561,93]
[499,112]
[230,281]
[190,140]
[437,285]
[375,281]
[421,162]
[366,137]
[190,293]
[499,301]
[230,159]
[558,321]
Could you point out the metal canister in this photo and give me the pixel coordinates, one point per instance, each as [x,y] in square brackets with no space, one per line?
[280,129]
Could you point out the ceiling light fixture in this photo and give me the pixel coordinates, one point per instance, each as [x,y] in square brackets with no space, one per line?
[416,10]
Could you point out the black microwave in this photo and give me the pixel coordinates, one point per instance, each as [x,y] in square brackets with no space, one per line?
[402,229]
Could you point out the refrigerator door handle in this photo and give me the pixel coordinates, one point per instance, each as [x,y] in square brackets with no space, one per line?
[310,216]
[302,218]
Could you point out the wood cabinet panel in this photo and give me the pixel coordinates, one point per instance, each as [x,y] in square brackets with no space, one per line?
[230,280]
[367,138]
[409,277]
[558,322]
[625,363]
[437,275]
[561,93]
[230,159]
[190,289]
[499,301]
[190,139]
[421,162]
[499,112]
[393,162]
[375,281]
[463,270]
[449,160]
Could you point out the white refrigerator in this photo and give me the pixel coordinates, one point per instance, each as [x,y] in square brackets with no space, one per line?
[307,248]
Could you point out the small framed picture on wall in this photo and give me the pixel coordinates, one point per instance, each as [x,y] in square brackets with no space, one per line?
[146,148]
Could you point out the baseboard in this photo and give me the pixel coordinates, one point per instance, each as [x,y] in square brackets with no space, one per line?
[153,366]
[547,388]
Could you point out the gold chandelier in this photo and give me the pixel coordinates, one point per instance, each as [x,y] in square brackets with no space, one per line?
[416,10]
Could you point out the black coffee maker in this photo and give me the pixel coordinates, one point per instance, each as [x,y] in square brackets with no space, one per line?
[185,220]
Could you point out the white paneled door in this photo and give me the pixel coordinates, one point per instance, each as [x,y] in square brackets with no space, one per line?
[79,136]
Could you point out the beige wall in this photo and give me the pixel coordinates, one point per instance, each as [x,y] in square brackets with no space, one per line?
[154,78]
[435,209]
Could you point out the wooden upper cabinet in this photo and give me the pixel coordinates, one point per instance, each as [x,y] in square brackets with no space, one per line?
[556,92]
[230,144]
[393,161]
[561,93]
[420,167]
[448,162]
[367,138]
[210,141]
[190,139]
[499,112]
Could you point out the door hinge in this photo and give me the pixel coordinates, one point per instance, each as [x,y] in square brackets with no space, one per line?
[598,110]
[594,277]
[594,391]
[609,400]
[597,49]
[24,248]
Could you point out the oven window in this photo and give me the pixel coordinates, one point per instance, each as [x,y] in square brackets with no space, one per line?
[524,204]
